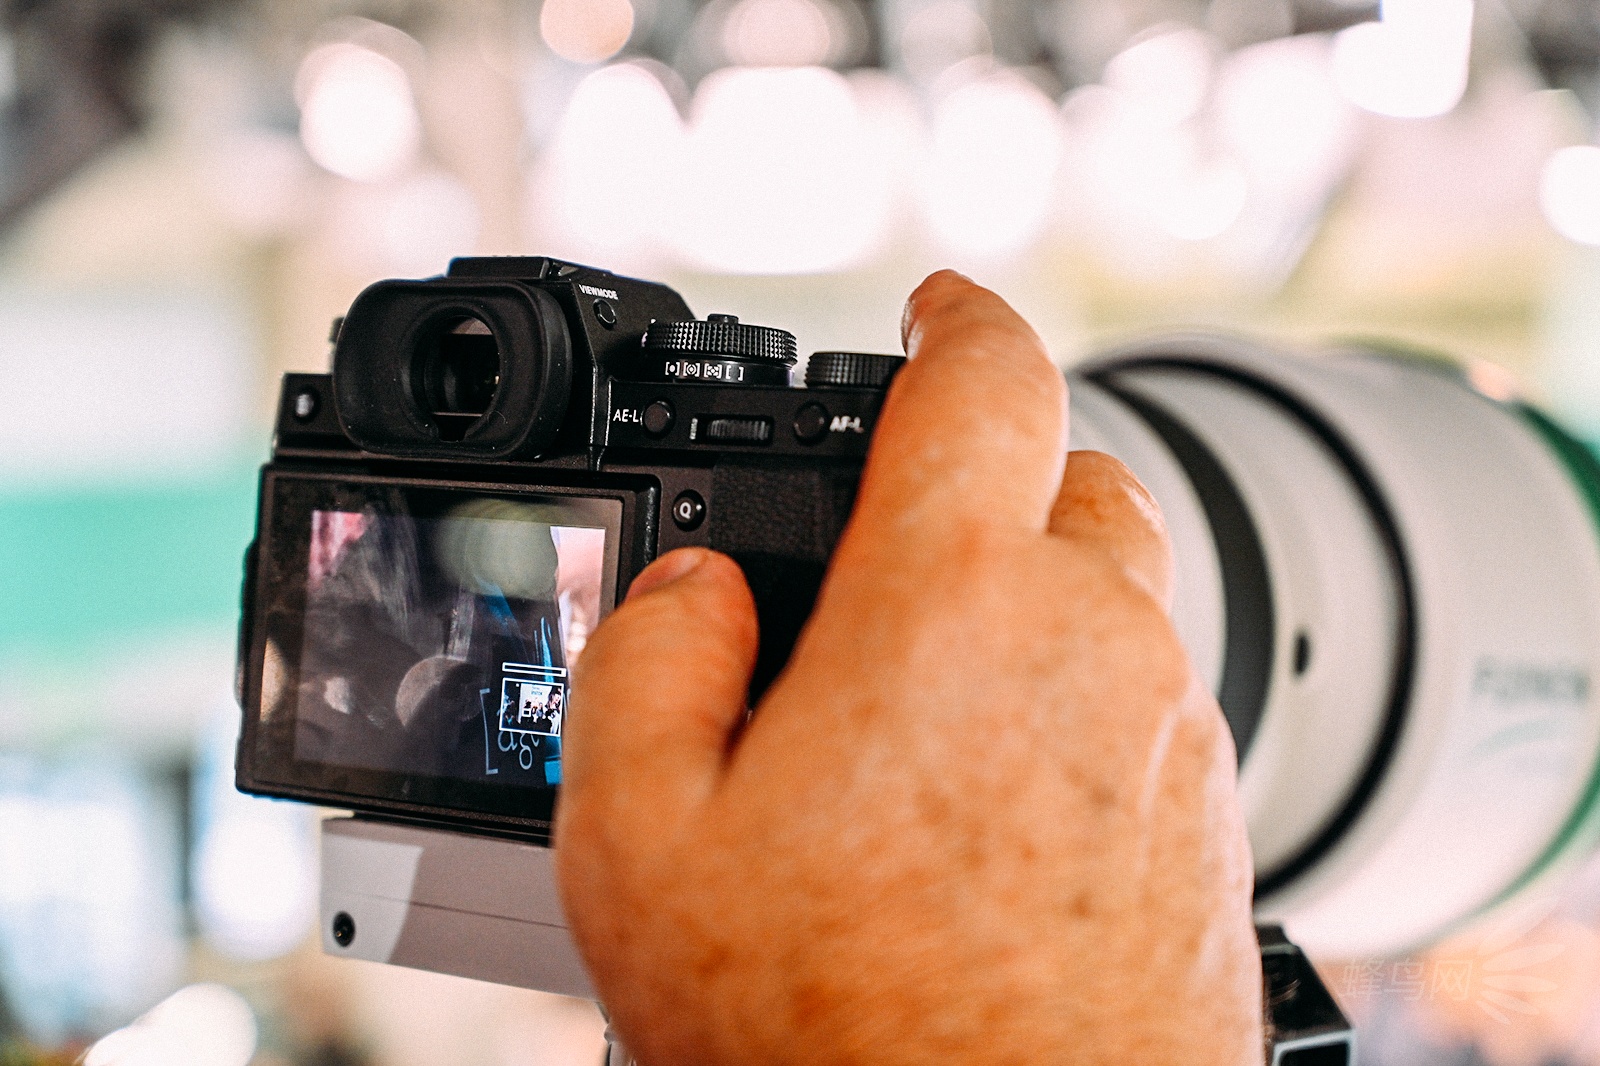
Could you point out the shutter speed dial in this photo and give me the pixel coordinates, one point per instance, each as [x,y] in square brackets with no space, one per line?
[720,350]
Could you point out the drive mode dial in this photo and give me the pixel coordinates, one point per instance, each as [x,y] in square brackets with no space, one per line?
[720,350]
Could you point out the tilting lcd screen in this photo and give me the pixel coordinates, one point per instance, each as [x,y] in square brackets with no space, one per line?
[444,646]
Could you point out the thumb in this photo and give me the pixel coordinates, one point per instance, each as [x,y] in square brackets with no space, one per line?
[657,695]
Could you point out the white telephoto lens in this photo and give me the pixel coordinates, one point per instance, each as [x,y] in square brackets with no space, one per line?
[1392,582]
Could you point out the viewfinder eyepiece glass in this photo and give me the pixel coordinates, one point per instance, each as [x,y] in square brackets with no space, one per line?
[457,374]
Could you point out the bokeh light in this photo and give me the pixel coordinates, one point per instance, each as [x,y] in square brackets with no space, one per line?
[989,178]
[1569,193]
[606,178]
[1412,64]
[357,116]
[586,31]
[1163,76]
[88,904]
[1144,184]
[255,882]
[427,220]
[1282,115]
[198,1025]
[778,174]
[258,179]
[1207,204]
[253,867]
[940,35]
[782,33]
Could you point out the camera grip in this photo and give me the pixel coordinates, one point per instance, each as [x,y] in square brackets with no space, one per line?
[785,588]
[780,521]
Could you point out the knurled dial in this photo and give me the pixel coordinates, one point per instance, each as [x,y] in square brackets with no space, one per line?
[722,337]
[851,370]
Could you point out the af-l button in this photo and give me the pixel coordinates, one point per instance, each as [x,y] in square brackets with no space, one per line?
[811,423]
[688,510]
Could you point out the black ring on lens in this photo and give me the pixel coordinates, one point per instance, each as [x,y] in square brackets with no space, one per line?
[1398,702]
[1249,610]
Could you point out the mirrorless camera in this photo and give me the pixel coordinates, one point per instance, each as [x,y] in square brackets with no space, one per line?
[449,514]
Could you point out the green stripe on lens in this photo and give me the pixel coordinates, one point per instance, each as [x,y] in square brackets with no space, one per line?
[1583,825]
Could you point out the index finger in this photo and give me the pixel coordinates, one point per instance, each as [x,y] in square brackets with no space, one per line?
[975,425]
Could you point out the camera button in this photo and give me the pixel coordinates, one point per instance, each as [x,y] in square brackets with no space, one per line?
[688,510]
[605,314]
[306,404]
[811,423]
[658,418]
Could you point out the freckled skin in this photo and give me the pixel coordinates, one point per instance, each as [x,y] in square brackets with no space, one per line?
[987,814]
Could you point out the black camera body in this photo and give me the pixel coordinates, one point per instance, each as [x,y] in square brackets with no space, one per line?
[497,453]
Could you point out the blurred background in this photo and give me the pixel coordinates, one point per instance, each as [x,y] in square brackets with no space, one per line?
[191,190]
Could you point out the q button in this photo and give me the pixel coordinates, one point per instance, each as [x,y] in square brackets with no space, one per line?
[688,510]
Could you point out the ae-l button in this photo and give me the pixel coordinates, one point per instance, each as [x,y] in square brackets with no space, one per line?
[688,510]
[658,418]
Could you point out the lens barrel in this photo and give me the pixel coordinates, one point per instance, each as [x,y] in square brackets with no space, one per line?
[1405,570]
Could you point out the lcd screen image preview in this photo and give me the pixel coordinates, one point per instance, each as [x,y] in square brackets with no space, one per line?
[444,646]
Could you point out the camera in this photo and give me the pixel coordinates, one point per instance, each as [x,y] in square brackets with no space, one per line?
[448,515]
[1389,576]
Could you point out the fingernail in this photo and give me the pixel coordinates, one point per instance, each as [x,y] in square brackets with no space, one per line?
[665,570]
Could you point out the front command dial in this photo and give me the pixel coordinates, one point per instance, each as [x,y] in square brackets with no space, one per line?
[720,350]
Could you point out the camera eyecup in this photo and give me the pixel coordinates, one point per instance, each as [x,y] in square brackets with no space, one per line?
[475,369]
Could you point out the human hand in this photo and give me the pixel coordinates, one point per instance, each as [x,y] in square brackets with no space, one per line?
[987,812]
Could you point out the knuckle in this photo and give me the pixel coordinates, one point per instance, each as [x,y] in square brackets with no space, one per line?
[1133,637]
